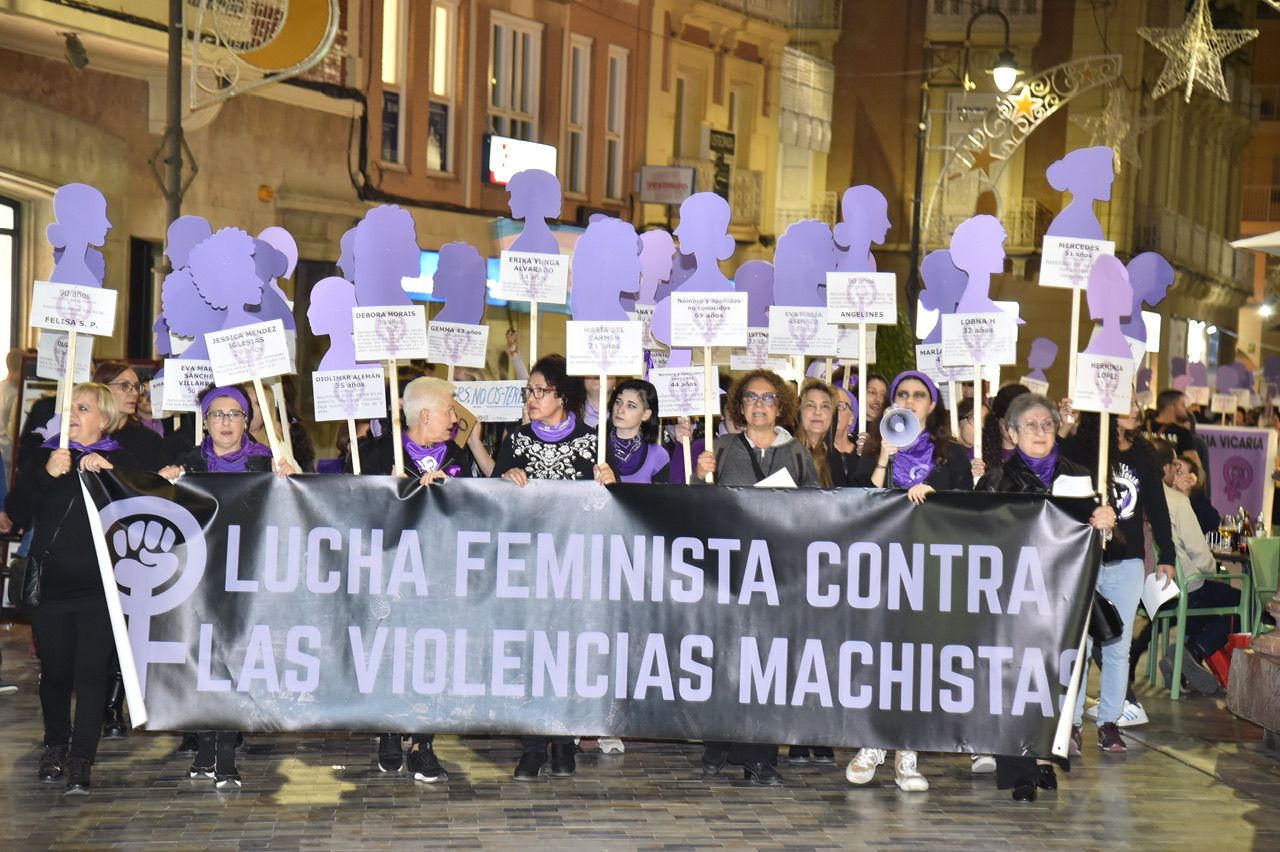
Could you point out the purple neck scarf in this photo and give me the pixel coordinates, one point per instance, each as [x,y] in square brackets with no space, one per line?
[105,444]
[552,434]
[426,458]
[913,464]
[1043,468]
[236,461]
[630,452]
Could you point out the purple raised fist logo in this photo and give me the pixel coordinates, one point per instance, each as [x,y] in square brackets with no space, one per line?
[685,391]
[1107,381]
[73,306]
[803,328]
[348,396]
[1237,474]
[454,343]
[707,321]
[248,353]
[604,344]
[391,330]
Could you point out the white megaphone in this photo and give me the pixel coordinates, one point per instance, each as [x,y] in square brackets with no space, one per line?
[899,427]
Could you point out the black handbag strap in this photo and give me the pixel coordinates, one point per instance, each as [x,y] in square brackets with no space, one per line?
[755,465]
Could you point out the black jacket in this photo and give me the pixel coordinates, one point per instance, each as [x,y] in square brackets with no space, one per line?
[146,446]
[194,461]
[952,474]
[377,456]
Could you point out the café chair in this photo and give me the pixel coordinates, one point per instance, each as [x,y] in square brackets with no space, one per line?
[1264,554]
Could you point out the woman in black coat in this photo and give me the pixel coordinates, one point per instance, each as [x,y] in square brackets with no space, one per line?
[70,624]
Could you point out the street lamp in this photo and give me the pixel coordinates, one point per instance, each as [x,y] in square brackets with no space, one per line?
[1006,70]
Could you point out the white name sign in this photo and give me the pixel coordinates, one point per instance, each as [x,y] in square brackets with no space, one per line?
[680,391]
[458,344]
[532,277]
[1103,383]
[184,381]
[51,356]
[247,352]
[1066,261]
[71,307]
[801,331]
[603,348]
[708,319]
[862,297]
[349,394]
[979,338]
[389,333]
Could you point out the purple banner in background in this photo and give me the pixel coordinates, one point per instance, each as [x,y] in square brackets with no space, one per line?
[1240,463]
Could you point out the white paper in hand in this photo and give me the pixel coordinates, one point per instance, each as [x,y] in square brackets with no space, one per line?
[780,479]
[1154,595]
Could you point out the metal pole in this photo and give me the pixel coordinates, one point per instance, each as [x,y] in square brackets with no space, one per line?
[917,203]
[173,118]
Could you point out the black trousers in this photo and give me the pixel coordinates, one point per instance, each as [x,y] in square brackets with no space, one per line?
[76,648]
[740,753]
[217,749]
[537,744]
[1204,633]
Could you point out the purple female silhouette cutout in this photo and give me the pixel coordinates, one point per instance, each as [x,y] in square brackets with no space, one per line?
[226,276]
[81,212]
[1271,370]
[804,256]
[1227,378]
[184,234]
[332,300]
[865,215]
[386,250]
[606,263]
[1087,173]
[1199,374]
[682,268]
[1245,374]
[943,286]
[1109,296]
[187,314]
[347,254]
[704,234]
[1182,382]
[1143,383]
[93,259]
[977,247]
[460,280]
[1178,366]
[755,278]
[1043,353]
[1151,276]
[535,198]
[276,256]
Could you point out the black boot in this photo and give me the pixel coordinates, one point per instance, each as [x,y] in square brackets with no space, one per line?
[113,724]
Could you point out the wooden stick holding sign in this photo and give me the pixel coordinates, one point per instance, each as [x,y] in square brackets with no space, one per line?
[709,387]
[263,407]
[680,395]
[977,408]
[862,378]
[67,384]
[602,418]
[953,391]
[397,442]
[709,320]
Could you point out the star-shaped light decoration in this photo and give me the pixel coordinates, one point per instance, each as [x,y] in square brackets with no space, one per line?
[1194,52]
[983,161]
[1116,128]
[1024,103]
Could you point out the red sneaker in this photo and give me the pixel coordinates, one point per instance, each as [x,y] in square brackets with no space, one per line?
[1109,738]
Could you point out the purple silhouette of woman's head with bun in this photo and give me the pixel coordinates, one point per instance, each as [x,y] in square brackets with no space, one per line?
[943,286]
[275,255]
[460,280]
[1199,373]
[704,233]
[81,212]
[184,234]
[755,278]
[865,215]
[1109,296]
[801,261]
[1151,276]
[535,198]
[1041,357]
[347,254]
[386,251]
[1087,173]
[977,247]
[332,300]
[606,263]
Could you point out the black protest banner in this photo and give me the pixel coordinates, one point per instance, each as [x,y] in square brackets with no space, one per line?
[369,604]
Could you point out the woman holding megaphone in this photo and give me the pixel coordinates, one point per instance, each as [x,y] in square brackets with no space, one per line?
[911,449]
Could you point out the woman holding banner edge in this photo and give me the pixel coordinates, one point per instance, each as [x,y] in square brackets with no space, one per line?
[764,401]
[554,445]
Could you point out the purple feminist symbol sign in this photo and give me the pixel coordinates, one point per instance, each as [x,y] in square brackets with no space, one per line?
[460,280]
[81,212]
[803,328]
[804,256]
[943,286]
[1110,296]
[865,214]
[685,390]
[391,331]
[1043,353]
[332,300]
[755,278]
[606,264]
[1087,173]
[1150,276]
[1237,475]
[385,251]
[704,235]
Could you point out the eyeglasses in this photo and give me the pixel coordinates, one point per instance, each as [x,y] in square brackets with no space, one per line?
[536,393]
[766,399]
[1044,427]
[234,416]
[127,387]
[968,418]
[843,406]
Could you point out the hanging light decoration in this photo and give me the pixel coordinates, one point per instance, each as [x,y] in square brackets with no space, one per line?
[1194,52]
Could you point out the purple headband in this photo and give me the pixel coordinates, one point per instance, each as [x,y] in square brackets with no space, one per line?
[229,392]
[918,376]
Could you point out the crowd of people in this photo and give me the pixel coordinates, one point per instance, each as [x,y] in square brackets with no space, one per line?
[1155,518]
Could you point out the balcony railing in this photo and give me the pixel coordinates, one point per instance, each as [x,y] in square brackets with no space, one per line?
[949,18]
[795,14]
[1268,95]
[1190,245]
[1261,203]
[746,189]
[823,209]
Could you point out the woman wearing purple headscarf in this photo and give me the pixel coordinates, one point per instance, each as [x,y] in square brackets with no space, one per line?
[226,449]
[72,631]
[1036,467]
[633,433]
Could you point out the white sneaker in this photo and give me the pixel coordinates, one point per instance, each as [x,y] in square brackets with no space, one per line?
[863,766]
[1092,710]
[983,764]
[909,778]
[611,745]
[1133,714]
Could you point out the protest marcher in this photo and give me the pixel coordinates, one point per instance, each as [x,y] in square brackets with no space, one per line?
[931,462]
[813,427]
[1173,422]
[226,449]
[997,444]
[633,433]
[842,456]
[1137,491]
[70,623]
[303,451]
[554,444]
[1190,482]
[590,410]
[877,393]
[763,400]
[1037,467]
[965,416]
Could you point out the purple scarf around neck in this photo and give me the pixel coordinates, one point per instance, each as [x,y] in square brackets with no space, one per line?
[1042,468]
[236,461]
[913,464]
[552,434]
[630,452]
[105,444]
[426,458]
